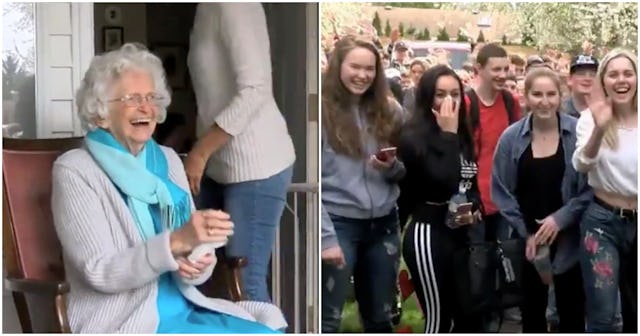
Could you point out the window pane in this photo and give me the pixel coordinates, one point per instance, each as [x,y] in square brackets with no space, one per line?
[18,70]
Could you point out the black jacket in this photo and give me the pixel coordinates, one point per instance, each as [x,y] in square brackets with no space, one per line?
[434,167]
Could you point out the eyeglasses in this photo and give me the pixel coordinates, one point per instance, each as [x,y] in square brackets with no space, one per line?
[136,100]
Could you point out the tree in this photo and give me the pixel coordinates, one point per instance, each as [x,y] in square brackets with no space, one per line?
[504,40]
[564,25]
[427,5]
[19,22]
[443,35]
[401,29]
[339,19]
[411,30]
[387,29]
[377,24]
[480,37]
[527,36]
[462,37]
[13,75]
[426,35]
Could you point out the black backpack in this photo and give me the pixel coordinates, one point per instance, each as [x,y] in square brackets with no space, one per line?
[474,110]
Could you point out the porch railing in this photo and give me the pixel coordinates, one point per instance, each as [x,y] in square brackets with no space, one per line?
[295,259]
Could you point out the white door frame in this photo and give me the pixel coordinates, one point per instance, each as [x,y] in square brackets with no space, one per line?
[64,46]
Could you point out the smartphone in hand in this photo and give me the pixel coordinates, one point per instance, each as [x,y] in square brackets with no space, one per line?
[464,209]
[386,153]
[464,213]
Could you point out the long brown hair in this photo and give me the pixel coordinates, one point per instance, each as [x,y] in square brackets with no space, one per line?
[611,135]
[338,122]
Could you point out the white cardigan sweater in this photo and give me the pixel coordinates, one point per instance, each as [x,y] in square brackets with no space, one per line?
[230,66]
[112,272]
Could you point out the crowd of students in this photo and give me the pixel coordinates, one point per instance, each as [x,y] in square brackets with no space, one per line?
[549,161]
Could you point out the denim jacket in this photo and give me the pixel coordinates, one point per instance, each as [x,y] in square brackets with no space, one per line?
[576,193]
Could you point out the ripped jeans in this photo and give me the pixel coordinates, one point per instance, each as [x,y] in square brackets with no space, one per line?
[609,263]
[371,249]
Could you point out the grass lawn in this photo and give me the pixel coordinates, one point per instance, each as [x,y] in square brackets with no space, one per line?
[411,317]
[411,314]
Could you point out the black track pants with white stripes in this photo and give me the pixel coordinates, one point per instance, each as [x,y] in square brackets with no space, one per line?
[428,252]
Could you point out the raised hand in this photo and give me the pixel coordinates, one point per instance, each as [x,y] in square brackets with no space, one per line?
[447,117]
[600,105]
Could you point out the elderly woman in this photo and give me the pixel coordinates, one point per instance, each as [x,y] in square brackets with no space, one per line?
[133,246]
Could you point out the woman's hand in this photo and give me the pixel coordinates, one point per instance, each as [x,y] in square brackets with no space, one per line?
[189,270]
[447,117]
[204,226]
[194,166]
[334,256]
[601,107]
[547,232]
[382,165]
[531,249]
[468,218]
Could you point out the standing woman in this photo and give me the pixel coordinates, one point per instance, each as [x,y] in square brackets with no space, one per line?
[243,159]
[360,231]
[607,150]
[437,149]
[542,196]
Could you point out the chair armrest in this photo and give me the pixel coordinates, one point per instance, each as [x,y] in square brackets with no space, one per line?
[226,279]
[233,275]
[39,287]
[234,262]
[55,289]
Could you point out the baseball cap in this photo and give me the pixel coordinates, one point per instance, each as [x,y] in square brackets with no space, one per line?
[583,62]
[401,46]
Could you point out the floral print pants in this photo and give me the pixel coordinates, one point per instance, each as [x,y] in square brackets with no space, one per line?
[609,264]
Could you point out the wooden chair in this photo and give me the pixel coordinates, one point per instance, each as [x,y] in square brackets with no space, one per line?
[32,253]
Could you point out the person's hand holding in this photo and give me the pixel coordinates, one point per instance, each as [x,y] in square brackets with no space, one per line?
[531,248]
[204,226]
[466,218]
[447,117]
[194,166]
[383,165]
[601,107]
[189,270]
[547,232]
[333,255]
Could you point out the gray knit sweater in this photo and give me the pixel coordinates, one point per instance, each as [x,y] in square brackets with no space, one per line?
[112,272]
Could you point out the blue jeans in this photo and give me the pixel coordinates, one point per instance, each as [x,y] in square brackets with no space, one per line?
[255,208]
[371,249]
[609,264]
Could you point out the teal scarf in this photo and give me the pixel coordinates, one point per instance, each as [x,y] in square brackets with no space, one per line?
[144,182]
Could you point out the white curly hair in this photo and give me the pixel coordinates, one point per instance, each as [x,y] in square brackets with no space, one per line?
[105,69]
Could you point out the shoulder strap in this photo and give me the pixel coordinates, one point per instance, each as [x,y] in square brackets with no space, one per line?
[508,104]
[474,109]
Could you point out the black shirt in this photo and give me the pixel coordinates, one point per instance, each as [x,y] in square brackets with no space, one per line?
[539,186]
